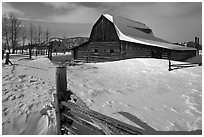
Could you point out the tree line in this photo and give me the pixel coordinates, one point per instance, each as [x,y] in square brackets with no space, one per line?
[14,31]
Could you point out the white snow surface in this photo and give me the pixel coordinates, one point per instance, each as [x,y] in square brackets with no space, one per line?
[27,88]
[144,88]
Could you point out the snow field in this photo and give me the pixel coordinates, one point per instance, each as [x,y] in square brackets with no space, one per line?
[144,88]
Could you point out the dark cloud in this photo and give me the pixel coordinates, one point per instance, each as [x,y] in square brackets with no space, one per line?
[112,4]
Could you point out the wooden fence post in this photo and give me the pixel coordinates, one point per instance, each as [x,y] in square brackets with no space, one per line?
[61,89]
[3,54]
[169,54]
[169,65]
[7,58]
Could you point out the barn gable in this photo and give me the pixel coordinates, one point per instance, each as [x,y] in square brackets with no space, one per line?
[103,30]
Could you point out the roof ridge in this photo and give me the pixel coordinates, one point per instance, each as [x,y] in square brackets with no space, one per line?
[135,21]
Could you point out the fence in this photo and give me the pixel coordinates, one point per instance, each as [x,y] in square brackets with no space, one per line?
[71,112]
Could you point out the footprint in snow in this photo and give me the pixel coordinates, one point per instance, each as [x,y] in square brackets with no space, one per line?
[32,80]
[21,76]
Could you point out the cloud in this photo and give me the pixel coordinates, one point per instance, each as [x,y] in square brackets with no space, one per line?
[78,14]
[170,9]
[7,8]
[61,5]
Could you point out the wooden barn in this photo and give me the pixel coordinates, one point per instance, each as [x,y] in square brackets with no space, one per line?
[57,45]
[116,38]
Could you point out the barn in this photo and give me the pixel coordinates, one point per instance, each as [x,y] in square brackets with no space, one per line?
[115,38]
[57,45]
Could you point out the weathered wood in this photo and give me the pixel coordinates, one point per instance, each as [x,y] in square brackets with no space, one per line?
[69,129]
[3,52]
[169,65]
[103,30]
[61,89]
[57,112]
[83,123]
[101,117]
[7,58]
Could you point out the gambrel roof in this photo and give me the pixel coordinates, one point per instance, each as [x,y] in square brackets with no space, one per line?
[137,32]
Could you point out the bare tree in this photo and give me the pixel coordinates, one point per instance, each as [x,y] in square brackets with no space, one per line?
[47,36]
[23,37]
[5,31]
[35,34]
[14,27]
[39,34]
[31,34]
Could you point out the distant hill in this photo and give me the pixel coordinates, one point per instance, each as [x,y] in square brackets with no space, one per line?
[75,41]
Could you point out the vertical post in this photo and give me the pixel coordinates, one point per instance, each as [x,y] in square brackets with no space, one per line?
[29,46]
[169,61]
[50,51]
[7,58]
[61,89]
[198,45]
[36,51]
[169,65]
[3,54]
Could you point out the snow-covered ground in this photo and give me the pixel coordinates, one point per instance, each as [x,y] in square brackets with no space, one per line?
[132,91]
[142,89]
[27,88]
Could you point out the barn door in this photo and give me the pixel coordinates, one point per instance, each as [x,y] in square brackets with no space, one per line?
[122,50]
[75,54]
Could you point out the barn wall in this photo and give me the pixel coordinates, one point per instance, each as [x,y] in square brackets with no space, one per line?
[104,51]
[182,55]
[103,30]
[81,53]
[58,47]
[134,50]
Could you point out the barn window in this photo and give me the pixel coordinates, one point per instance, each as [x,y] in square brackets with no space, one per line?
[111,51]
[95,50]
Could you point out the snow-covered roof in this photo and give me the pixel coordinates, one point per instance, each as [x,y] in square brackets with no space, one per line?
[137,32]
[55,39]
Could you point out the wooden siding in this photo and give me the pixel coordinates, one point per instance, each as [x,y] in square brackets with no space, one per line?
[81,52]
[103,30]
[104,45]
[134,50]
[58,47]
[182,55]
[104,51]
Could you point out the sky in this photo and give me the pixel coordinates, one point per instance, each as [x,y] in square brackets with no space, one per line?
[171,21]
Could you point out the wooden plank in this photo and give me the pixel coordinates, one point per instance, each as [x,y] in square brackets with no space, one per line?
[69,129]
[116,124]
[83,123]
[57,112]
